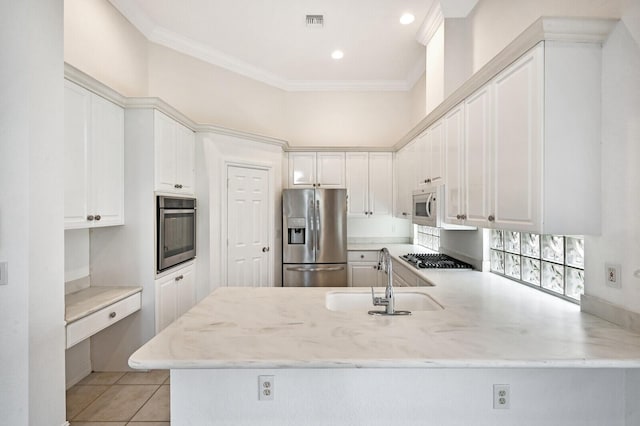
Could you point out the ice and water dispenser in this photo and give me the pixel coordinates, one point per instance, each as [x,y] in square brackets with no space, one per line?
[296,230]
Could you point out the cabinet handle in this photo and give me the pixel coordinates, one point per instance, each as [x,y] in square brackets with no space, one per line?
[404,213]
[90,217]
[179,277]
[98,217]
[265,249]
[491,218]
[112,315]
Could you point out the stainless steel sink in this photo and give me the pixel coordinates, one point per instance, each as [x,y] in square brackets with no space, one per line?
[360,301]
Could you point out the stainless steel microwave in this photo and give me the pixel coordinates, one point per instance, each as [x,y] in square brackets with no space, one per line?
[176,231]
[425,207]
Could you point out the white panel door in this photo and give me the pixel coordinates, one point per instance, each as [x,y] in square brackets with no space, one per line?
[381,183]
[107,162]
[435,137]
[302,169]
[186,292]
[166,293]
[357,183]
[185,159]
[77,107]
[517,107]
[248,251]
[165,152]
[423,166]
[330,168]
[454,161]
[477,156]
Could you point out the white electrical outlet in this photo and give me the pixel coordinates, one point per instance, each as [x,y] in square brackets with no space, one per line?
[501,397]
[266,388]
[612,275]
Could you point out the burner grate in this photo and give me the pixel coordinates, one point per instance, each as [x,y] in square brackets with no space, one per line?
[434,261]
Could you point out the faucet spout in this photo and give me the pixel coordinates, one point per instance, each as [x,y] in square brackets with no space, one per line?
[389,299]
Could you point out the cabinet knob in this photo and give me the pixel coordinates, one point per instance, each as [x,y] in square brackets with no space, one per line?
[98,217]
[404,213]
[179,277]
[362,256]
[371,213]
[90,217]
[458,216]
[464,217]
[176,186]
[318,185]
[491,218]
[425,181]
[428,181]
[112,315]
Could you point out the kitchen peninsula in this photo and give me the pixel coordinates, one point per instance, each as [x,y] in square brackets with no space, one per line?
[345,367]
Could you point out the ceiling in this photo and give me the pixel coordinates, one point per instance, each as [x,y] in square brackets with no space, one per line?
[269,41]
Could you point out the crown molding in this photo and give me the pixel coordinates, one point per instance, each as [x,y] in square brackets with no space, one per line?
[431,23]
[576,30]
[159,35]
[349,148]
[73,74]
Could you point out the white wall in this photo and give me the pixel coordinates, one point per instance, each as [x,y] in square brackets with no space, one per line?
[31,214]
[417,99]
[435,70]
[495,23]
[570,397]
[101,42]
[620,239]
[76,254]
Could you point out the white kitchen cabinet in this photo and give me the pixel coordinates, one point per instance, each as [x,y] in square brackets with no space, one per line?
[175,295]
[316,169]
[405,162]
[526,157]
[174,156]
[430,156]
[94,160]
[369,183]
[364,270]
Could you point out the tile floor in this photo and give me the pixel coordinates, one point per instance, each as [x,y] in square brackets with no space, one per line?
[119,399]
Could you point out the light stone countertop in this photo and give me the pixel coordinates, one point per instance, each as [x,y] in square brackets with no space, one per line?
[488,321]
[89,300]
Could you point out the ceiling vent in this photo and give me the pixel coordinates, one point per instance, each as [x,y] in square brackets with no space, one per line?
[315,21]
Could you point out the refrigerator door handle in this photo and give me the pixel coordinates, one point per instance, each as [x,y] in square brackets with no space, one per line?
[315,269]
[312,232]
[318,227]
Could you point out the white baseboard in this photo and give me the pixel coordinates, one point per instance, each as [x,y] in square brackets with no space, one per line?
[66,424]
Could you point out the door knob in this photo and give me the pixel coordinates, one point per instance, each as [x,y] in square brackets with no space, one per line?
[265,249]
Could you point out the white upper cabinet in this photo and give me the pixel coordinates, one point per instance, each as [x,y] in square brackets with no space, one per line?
[429,145]
[369,183]
[316,169]
[174,156]
[94,160]
[521,161]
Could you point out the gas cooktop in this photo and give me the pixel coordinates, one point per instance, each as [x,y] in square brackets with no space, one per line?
[435,260]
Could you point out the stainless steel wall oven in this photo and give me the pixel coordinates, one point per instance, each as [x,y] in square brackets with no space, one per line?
[176,231]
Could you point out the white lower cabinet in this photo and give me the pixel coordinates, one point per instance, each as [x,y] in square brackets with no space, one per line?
[175,295]
[363,269]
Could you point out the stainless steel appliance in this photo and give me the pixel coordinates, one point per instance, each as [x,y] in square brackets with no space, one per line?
[176,231]
[425,207]
[434,260]
[314,241]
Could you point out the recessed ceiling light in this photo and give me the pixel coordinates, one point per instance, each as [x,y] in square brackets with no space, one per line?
[337,54]
[407,18]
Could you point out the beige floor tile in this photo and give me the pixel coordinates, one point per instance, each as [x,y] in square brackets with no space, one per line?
[153,377]
[79,397]
[101,424]
[119,403]
[168,381]
[156,409]
[148,424]
[102,378]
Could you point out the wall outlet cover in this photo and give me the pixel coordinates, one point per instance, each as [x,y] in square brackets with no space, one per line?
[612,275]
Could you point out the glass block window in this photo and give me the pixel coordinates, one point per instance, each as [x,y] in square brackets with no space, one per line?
[552,263]
[427,236]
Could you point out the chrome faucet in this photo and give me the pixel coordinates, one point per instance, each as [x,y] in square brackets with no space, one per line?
[388,301]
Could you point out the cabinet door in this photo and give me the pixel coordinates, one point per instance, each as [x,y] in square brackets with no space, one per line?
[330,167]
[166,293]
[302,169]
[477,156]
[165,152]
[357,165]
[454,160]
[186,290]
[381,183]
[518,131]
[106,197]
[423,166]
[185,160]
[434,138]
[364,274]
[77,107]
[403,171]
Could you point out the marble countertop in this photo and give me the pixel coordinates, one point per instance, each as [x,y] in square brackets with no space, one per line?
[89,300]
[487,321]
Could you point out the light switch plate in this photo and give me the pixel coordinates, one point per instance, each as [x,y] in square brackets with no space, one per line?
[4,273]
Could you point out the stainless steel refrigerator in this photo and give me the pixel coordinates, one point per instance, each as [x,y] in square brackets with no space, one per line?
[314,244]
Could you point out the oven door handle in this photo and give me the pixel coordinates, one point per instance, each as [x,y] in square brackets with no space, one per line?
[315,269]
[166,211]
